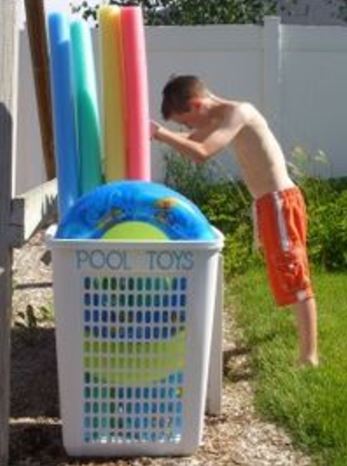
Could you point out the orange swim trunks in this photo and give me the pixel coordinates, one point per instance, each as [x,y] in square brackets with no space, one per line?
[281,225]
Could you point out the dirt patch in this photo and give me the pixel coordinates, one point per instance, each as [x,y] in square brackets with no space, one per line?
[236,437]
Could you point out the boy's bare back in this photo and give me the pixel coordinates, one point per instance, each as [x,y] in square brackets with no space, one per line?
[217,124]
[258,153]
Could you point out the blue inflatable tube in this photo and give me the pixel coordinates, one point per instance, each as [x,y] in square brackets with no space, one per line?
[63,111]
[115,203]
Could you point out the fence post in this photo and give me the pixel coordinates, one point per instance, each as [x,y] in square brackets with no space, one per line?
[8,84]
[35,20]
[272,72]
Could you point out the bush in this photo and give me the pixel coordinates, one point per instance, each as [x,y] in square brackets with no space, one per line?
[328,225]
[228,206]
[327,208]
[190,12]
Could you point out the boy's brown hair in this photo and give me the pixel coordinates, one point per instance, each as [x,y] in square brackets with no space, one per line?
[177,93]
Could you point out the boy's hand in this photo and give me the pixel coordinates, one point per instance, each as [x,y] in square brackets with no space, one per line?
[153,128]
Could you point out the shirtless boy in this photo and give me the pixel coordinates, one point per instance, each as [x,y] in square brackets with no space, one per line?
[216,124]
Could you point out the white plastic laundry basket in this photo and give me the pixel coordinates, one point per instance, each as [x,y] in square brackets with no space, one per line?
[133,327]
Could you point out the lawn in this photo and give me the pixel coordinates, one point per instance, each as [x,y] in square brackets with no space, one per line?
[310,403]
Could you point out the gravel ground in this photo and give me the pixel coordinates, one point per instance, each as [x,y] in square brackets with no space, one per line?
[236,437]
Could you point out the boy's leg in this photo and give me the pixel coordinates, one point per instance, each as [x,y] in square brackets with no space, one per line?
[306,315]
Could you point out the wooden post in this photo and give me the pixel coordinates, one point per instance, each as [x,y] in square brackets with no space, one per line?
[8,83]
[36,28]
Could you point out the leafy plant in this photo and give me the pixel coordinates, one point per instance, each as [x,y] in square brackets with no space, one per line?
[35,317]
[340,8]
[187,177]
[190,12]
[328,231]
[327,208]
[217,12]
[228,206]
[304,165]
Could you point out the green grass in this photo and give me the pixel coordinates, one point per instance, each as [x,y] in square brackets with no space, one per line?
[310,403]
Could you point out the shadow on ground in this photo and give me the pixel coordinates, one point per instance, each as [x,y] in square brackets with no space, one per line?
[35,430]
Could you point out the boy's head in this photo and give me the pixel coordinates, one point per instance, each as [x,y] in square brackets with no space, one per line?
[182,96]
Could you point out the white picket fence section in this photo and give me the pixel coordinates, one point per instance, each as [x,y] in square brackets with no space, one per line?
[297,75]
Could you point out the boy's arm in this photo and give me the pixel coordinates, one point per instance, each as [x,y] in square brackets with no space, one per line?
[179,141]
[201,144]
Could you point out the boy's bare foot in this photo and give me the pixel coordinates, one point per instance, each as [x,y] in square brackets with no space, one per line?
[308,362]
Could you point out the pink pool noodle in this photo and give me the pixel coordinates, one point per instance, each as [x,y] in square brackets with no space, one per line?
[136,94]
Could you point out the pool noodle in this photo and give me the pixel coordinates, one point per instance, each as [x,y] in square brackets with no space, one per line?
[86,106]
[63,111]
[113,93]
[136,92]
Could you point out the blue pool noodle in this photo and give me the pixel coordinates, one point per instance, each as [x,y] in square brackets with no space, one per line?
[63,111]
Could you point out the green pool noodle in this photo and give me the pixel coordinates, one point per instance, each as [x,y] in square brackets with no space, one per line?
[134,363]
[87,112]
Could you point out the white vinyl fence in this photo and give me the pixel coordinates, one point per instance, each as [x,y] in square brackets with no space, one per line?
[296,75]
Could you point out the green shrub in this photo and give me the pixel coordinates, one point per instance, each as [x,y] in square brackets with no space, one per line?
[327,208]
[186,177]
[328,229]
[228,206]
[185,12]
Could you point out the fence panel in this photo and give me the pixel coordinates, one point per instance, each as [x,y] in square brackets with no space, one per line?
[295,74]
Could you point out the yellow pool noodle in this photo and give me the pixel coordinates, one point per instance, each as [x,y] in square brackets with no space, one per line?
[113,93]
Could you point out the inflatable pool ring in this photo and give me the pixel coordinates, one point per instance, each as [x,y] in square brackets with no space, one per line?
[135,210]
[134,230]
[136,363]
